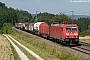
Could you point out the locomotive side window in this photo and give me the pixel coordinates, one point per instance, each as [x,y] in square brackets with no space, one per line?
[71,28]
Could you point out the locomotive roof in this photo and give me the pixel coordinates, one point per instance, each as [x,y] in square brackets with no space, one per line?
[58,24]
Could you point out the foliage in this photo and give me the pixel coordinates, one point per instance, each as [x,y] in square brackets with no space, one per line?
[23,16]
[61,18]
[50,18]
[86,32]
[10,15]
[6,29]
[84,26]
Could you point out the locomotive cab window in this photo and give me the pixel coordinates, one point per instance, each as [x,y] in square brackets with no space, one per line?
[71,28]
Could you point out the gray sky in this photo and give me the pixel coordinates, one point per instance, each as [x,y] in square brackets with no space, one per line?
[50,6]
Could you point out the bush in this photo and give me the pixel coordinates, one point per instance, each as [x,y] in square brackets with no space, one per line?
[85,33]
[6,29]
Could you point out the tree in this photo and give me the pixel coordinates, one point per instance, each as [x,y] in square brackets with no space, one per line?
[6,29]
[61,18]
[10,15]
[45,17]
[50,18]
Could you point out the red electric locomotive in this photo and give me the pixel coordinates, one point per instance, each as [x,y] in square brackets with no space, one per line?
[66,33]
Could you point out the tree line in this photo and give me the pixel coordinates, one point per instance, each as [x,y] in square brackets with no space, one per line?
[10,16]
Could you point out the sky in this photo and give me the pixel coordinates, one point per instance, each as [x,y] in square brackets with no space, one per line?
[50,6]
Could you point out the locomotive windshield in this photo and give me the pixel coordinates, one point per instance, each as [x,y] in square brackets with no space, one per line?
[71,28]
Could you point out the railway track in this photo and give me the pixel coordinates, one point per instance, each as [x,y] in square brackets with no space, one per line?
[85,44]
[83,49]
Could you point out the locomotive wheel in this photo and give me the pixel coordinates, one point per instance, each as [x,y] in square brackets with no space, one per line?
[67,43]
[62,42]
[48,37]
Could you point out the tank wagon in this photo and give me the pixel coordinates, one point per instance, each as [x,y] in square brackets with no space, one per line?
[65,33]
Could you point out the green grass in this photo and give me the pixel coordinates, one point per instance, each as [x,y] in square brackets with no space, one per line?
[86,40]
[46,51]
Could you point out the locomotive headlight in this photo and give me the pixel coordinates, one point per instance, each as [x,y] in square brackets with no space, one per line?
[75,34]
[67,34]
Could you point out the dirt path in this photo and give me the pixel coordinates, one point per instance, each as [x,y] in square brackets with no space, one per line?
[5,49]
[31,52]
[20,53]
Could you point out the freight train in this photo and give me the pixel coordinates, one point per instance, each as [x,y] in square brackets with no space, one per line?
[65,33]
